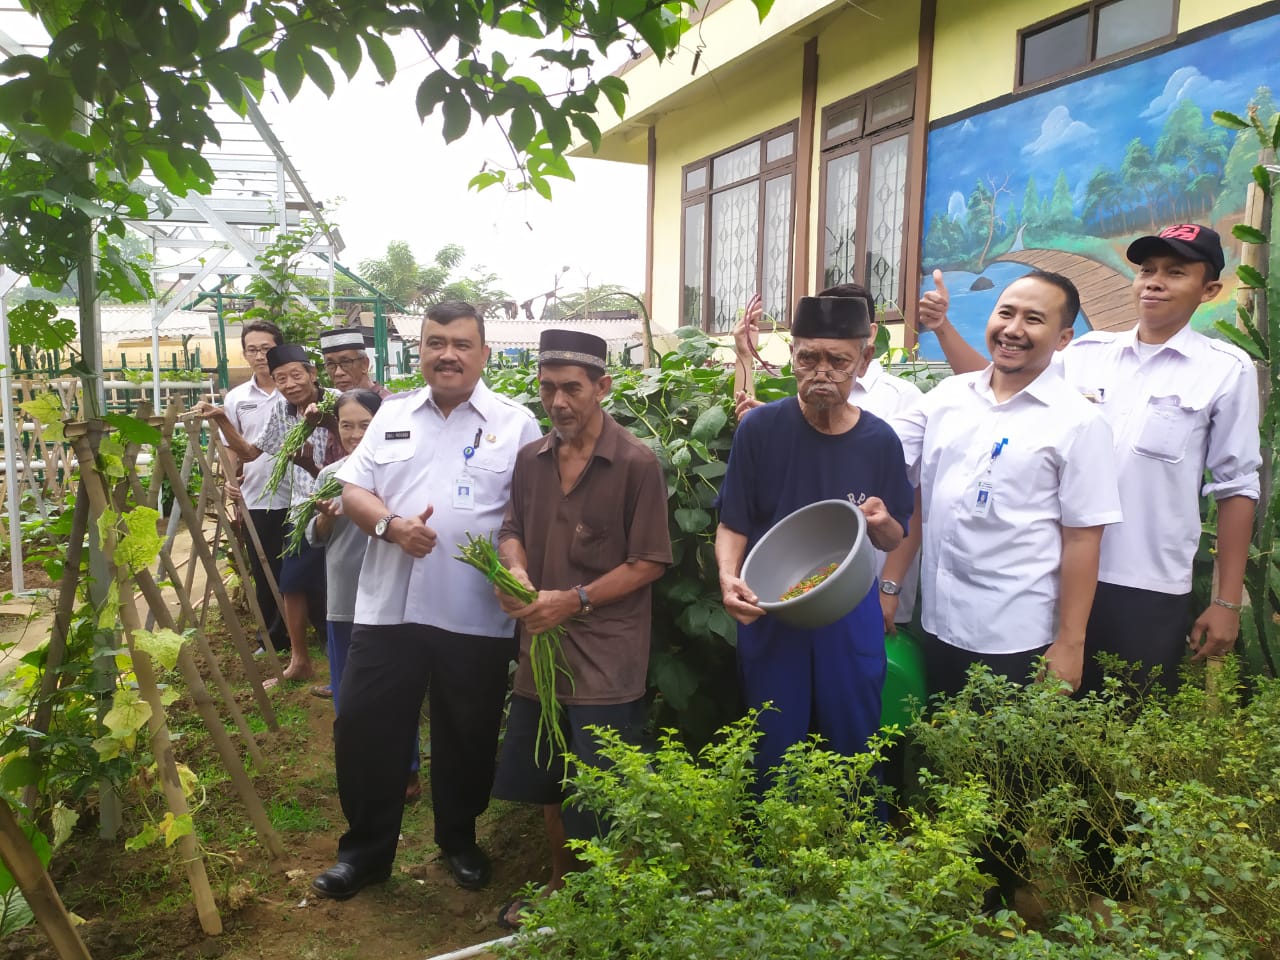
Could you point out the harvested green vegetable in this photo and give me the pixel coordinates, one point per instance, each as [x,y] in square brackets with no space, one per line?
[809,582]
[300,515]
[294,440]
[545,654]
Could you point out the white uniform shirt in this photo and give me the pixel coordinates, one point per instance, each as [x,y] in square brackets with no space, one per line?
[1191,405]
[992,579]
[886,395]
[248,408]
[412,457]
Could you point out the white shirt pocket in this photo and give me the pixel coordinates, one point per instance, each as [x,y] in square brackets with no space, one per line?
[393,452]
[1167,423]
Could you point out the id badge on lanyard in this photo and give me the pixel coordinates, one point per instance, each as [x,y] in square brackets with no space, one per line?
[982,502]
[464,490]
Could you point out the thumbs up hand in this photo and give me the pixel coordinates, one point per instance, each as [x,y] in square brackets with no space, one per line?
[412,535]
[931,314]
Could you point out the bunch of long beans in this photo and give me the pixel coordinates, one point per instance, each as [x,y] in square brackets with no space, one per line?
[294,440]
[301,514]
[545,654]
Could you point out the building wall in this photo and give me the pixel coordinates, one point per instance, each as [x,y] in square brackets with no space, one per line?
[975,53]
[741,104]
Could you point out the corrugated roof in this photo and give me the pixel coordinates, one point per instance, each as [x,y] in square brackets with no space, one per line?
[523,334]
[133,322]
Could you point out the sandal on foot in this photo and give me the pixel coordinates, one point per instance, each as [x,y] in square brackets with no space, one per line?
[518,904]
[323,692]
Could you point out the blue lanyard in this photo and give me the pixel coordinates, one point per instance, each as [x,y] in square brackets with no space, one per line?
[996,449]
[469,452]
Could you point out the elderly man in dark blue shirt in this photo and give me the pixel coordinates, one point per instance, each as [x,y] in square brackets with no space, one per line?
[788,454]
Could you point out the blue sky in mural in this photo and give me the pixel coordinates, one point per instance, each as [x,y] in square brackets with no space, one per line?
[1072,131]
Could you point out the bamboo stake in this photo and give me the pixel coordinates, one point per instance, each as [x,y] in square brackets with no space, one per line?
[151,590]
[161,745]
[231,761]
[215,441]
[61,625]
[238,558]
[205,556]
[38,890]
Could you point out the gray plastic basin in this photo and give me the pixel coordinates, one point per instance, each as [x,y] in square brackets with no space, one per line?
[801,544]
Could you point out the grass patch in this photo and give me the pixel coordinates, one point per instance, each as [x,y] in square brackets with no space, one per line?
[293,817]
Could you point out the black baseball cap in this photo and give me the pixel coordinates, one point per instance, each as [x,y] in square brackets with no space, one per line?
[1191,241]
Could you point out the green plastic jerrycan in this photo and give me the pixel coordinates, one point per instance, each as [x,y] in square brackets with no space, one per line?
[904,680]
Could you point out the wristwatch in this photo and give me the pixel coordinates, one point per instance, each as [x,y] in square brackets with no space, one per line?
[890,588]
[583,599]
[382,526]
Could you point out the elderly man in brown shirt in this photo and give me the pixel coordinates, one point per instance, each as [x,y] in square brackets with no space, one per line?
[587,528]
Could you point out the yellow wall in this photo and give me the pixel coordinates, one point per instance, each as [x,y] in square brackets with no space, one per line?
[976,46]
[1196,13]
[976,49]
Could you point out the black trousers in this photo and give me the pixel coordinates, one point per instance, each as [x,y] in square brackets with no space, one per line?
[1149,630]
[1141,626]
[270,526]
[947,667]
[1003,857]
[388,672]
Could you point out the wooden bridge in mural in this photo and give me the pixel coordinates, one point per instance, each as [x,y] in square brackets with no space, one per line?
[1106,296]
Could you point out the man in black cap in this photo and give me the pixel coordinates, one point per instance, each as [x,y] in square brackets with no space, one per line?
[301,573]
[1179,403]
[346,362]
[587,528]
[787,455]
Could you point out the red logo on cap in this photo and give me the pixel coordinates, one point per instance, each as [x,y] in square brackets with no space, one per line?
[1183,231]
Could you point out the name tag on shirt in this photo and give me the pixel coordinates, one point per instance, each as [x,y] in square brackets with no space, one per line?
[982,503]
[464,493]
[396,435]
[249,406]
[1094,394]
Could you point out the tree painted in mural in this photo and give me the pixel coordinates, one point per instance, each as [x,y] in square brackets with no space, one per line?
[1177,176]
[1085,167]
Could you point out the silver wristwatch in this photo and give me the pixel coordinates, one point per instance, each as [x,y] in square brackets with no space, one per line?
[890,588]
[382,526]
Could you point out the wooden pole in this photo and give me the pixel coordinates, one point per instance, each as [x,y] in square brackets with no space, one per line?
[231,761]
[220,449]
[238,557]
[38,890]
[61,625]
[161,745]
[201,549]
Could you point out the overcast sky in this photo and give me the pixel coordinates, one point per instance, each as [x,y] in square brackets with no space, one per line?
[396,179]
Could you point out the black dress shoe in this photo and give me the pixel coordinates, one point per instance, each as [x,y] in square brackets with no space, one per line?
[343,881]
[470,868]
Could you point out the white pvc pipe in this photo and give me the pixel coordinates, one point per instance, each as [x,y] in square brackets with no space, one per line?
[13,432]
[480,948]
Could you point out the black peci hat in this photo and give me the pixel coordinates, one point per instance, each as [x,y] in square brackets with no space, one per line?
[571,346]
[284,353]
[831,318]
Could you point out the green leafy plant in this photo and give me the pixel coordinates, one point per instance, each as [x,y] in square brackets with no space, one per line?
[1186,791]
[697,863]
[546,658]
[300,516]
[294,440]
[1258,334]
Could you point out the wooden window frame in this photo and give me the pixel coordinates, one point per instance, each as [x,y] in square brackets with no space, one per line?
[833,148]
[1092,10]
[767,172]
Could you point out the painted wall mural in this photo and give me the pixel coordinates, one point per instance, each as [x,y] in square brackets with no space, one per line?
[1065,179]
